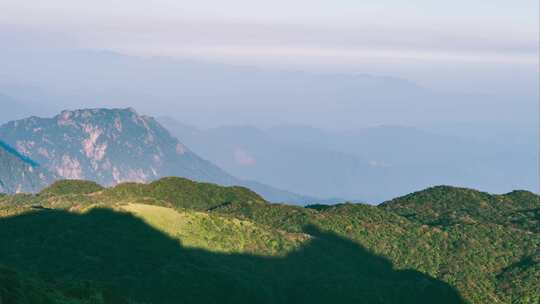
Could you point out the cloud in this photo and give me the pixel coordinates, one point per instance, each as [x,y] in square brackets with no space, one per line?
[483,46]
[485,28]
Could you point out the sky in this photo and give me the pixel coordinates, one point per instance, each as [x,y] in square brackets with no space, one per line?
[462,68]
[454,45]
[484,47]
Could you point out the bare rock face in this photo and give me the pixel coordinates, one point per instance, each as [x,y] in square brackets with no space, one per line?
[108,146]
[19,173]
[111,146]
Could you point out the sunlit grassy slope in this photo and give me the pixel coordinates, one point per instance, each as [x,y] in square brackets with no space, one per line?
[215,233]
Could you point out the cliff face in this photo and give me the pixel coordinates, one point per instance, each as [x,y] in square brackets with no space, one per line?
[107,146]
[19,173]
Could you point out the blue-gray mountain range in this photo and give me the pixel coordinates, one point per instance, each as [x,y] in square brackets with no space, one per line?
[112,146]
[371,164]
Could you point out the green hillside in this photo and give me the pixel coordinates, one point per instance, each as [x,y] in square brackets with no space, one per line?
[64,187]
[175,240]
[444,205]
[184,193]
[19,289]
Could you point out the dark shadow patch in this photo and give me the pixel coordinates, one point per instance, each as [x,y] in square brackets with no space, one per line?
[147,266]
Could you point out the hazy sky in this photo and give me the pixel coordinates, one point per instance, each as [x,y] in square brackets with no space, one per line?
[484,46]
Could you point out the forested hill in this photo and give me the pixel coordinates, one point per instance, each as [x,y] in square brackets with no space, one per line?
[178,240]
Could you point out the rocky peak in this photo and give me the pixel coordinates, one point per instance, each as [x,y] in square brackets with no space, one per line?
[111,146]
[108,146]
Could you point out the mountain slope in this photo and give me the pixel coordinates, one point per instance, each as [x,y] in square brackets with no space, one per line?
[248,250]
[108,146]
[371,164]
[243,249]
[445,205]
[19,173]
[404,159]
[519,283]
[183,193]
[112,146]
[27,289]
[484,245]
[251,153]
[154,253]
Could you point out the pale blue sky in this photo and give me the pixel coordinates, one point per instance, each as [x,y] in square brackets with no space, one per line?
[446,44]
[523,11]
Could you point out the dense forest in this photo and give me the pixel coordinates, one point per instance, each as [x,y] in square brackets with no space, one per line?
[179,241]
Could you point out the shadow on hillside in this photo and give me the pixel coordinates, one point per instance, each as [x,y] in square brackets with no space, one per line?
[145,265]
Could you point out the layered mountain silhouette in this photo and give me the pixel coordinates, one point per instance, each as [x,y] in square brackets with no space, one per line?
[372,164]
[112,146]
[108,146]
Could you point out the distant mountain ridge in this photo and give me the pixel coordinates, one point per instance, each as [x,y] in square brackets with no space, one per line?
[371,164]
[111,146]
